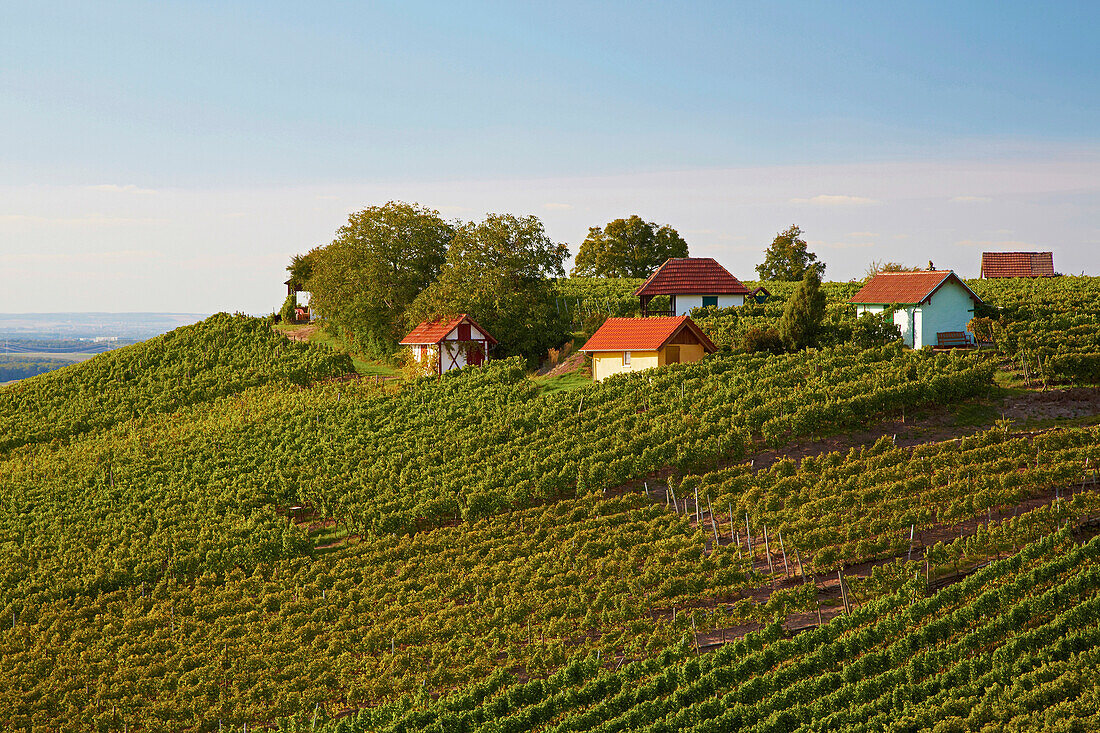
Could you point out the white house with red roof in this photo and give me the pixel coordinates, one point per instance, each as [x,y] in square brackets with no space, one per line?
[935,306]
[448,343]
[632,344]
[691,282]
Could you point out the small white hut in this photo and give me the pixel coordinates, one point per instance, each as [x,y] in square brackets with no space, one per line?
[935,305]
[449,343]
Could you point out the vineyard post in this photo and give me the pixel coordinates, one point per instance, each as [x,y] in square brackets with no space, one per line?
[843,593]
[912,529]
[732,530]
[737,541]
[782,549]
[768,551]
[817,601]
[713,524]
[695,634]
[698,514]
[646,484]
[675,505]
[748,535]
[798,559]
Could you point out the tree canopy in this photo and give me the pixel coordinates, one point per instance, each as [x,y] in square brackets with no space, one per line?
[378,263]
[878,266]
[627,248]
[788,259]
[498,272]
[800,325]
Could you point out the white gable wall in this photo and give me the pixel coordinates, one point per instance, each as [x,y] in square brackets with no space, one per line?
[949,309]
[685,303]
[454,357]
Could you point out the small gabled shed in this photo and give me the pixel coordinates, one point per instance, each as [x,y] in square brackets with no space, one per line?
[449,343]
[932,302]
[633,344]
[691,282]
[1017,264]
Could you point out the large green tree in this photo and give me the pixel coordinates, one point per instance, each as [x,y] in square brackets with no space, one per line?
[788,259]
[378,263]
[800,325]
[627,248]
[498,272]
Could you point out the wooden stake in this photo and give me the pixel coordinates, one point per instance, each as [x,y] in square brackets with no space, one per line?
[912,529]
[786,568]
[843,594]
[798,559]
[768,551]
[713,524]
[698,515]
[748,534]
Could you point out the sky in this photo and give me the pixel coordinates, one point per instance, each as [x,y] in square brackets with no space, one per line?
[173,156]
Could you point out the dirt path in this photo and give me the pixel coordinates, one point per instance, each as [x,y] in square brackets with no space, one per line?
[301,334]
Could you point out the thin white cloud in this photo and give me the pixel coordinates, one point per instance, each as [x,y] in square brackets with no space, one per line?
[971,199]
[557,207]
[828,199]
[119,255]
[127,188]
[863,234]
[840,245]
[1001,244]
[88,221]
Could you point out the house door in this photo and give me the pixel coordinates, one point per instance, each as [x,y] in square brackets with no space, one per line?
[475,355]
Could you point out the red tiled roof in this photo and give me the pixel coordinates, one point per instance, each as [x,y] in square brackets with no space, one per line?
[432,332]
[1017,264]
[643,334]
[697,275]
[906,288]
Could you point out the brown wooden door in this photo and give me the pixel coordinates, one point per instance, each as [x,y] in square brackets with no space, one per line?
[672,355]
[476,355]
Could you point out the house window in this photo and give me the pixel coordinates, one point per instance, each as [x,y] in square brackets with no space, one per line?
[710,301]
[464,332]
[626,358]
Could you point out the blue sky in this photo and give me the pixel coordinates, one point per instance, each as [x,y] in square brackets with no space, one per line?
[142,140]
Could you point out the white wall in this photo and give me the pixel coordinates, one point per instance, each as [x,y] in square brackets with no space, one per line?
[903,318]
[684,303]
[950,309]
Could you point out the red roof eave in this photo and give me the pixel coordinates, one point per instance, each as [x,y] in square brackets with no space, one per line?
[643,334]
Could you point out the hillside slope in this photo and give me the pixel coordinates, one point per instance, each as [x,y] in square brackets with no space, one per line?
[222,355]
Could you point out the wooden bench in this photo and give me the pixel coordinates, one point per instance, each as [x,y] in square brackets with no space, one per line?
[952,340]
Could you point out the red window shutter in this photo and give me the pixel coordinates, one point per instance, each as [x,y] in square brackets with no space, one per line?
[464,332]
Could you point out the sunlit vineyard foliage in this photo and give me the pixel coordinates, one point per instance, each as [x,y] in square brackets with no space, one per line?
[158,570]
[845,508]
[381,618]
[219,356]
[1049,325]
[1013,647]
